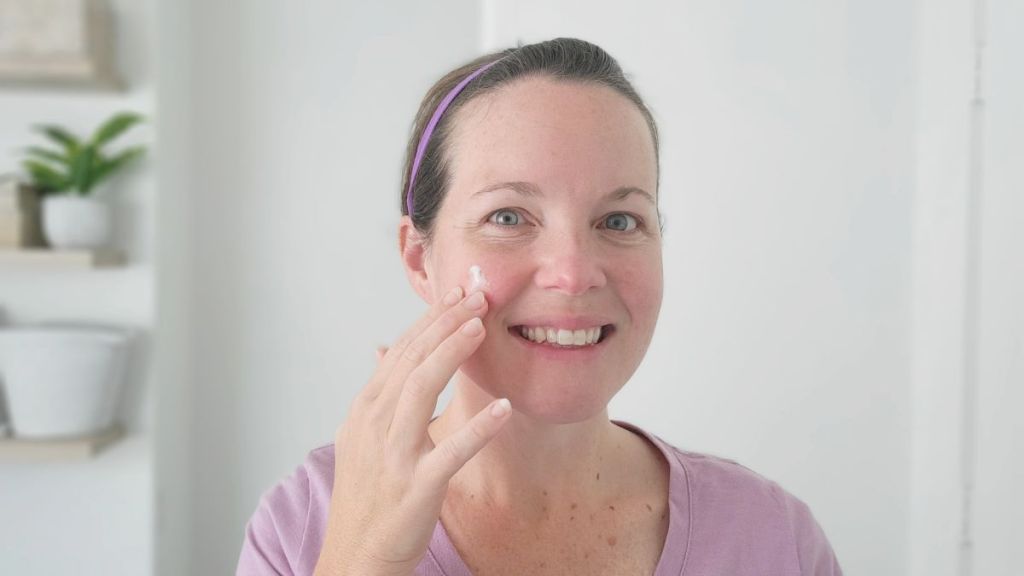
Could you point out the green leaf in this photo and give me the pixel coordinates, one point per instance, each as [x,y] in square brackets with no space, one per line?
[114,127]
[66,139]
[106,167]
[84,163]
[44,154]
[46,178]
[81,170]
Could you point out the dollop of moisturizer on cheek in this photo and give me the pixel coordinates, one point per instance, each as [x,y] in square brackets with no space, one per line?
[477,280]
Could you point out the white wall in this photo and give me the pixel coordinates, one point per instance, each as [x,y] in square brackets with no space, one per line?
[945,65]
[93,516]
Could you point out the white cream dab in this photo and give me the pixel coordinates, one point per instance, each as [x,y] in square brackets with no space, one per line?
[477,279]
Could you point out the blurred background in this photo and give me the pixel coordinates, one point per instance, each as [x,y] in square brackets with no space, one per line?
[842,191]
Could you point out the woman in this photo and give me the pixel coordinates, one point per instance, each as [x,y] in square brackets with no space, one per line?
[530,225]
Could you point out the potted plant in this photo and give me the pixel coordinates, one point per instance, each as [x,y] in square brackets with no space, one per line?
[67,176]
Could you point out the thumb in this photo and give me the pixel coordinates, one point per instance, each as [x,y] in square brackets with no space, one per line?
[381,351]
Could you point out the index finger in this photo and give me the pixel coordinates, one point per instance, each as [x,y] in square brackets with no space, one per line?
[391,356]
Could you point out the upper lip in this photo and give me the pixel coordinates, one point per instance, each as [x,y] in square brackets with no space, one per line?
[564,322]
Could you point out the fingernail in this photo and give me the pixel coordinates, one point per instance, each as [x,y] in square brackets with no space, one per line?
[500,407]
[475,300]
[473,327]
[453,296]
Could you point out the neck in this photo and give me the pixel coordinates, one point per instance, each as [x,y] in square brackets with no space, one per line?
[533,467]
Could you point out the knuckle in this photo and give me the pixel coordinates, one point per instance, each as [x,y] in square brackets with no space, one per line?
[444,347]
[367,408]
[416,385]
[403,341]
[397,348]
[414,353]
[362,404]
[451,450]
[362,401]
[450,322]
[376,412]
[479,435]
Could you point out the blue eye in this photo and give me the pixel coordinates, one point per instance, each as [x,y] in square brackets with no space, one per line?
[620,222]
[505,217]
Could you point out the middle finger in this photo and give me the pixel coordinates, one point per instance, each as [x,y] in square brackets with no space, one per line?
[421,347]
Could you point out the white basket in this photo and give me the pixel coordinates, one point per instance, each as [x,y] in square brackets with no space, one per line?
[62,379]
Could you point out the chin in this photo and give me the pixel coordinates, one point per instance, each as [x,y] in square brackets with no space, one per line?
[546,398]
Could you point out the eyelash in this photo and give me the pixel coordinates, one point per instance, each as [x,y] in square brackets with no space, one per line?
[638,228]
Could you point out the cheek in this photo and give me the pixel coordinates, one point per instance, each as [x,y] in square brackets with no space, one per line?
[503,280]
[641,286]
[499,272]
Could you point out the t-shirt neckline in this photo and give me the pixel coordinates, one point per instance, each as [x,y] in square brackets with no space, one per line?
[677,540]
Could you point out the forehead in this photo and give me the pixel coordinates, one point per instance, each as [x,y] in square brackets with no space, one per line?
[567,136]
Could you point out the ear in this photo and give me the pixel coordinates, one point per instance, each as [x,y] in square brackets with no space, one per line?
[414,258]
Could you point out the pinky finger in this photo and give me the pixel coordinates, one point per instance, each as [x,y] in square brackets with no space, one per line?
[453,452]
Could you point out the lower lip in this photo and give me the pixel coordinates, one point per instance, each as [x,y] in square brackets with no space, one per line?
[562,353]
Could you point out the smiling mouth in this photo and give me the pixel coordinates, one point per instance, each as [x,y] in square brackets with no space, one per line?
[562,338]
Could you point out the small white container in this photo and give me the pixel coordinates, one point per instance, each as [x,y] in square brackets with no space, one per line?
[62,379]
[71,222]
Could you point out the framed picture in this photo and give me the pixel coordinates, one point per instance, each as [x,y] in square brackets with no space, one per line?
[57,42]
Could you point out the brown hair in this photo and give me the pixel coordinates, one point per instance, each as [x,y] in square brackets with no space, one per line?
[564,59]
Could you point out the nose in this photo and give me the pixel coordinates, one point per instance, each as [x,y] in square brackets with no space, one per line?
[570,264]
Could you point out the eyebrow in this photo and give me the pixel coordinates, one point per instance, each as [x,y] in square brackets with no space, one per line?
[531,189]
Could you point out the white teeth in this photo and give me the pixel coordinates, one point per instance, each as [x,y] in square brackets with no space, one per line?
[562,337]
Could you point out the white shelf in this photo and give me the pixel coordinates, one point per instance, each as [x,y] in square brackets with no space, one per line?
[46,258]
[77,448]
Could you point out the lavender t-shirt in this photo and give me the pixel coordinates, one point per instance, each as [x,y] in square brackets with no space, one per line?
[724,519]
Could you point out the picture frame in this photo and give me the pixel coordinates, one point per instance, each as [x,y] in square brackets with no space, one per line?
[68,43]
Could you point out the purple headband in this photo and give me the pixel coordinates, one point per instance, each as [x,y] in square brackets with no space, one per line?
[422,147]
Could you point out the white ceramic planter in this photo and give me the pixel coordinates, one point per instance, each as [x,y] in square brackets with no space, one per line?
[62,379]
[76,221]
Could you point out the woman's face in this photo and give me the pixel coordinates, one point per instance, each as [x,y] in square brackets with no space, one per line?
[574,245]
